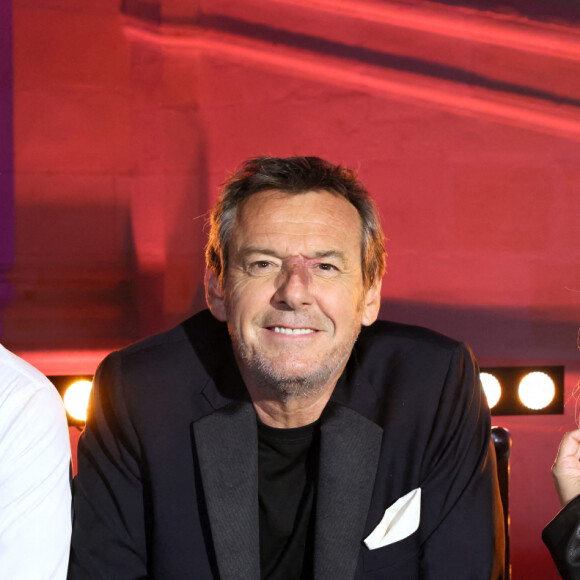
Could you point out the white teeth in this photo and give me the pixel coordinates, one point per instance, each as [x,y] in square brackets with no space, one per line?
[284,330]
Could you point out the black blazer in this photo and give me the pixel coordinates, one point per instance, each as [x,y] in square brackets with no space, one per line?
[167,480]
[562,537]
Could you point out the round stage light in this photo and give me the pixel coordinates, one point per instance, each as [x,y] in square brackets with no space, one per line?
[536,390]
[491,388]
[76,399]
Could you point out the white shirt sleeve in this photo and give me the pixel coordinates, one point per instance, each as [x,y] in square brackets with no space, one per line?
[35,496]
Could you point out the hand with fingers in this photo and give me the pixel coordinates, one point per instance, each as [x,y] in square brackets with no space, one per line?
[566,468]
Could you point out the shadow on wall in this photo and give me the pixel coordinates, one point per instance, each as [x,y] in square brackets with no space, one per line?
[552,11]
[73,280]
[496,335]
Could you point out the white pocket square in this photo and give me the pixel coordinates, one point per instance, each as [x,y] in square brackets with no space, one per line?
[400,520]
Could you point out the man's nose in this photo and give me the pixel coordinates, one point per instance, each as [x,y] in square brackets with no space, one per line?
[294,286]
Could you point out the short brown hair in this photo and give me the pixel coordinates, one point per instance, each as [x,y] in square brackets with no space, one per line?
[295,175]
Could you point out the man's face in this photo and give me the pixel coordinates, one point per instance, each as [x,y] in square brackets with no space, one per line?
[293,295]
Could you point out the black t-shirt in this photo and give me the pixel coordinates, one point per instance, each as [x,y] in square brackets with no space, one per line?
[288,464]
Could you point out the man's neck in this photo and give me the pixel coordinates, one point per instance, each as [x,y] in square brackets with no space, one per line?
[292,412]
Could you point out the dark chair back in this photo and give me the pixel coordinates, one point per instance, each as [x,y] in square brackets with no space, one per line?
[502,441]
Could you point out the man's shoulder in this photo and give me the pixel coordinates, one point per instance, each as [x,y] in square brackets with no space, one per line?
[399,373]
[389,350]
[171,374]
[400,338]
[193,350]
[199,329]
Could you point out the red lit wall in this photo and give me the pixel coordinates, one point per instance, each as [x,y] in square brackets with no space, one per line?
[464,124]
[6,157]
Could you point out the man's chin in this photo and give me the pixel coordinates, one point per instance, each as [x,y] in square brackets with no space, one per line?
[294,379]
[293,387]
[290,374]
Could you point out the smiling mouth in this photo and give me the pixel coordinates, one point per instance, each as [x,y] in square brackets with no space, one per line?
[294,331]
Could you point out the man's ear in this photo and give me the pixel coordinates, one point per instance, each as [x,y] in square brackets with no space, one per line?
[372,304]
[214,295]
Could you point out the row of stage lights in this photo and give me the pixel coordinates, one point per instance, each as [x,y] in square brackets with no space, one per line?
[524,390]
[509,391]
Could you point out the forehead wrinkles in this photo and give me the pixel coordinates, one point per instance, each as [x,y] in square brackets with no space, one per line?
[303,215]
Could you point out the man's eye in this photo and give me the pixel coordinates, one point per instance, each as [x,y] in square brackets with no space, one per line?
[327,267]
[261,267]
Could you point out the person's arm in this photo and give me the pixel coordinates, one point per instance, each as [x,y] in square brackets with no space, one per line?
[463,535]
[109,539]
[562,534]
[35,497]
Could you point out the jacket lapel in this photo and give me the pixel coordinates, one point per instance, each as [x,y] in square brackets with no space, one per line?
[227,448]
[349,451]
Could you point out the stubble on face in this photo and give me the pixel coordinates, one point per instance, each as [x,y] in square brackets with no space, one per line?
[284,385]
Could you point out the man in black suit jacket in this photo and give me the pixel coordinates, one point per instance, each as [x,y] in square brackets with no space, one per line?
[273,438]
